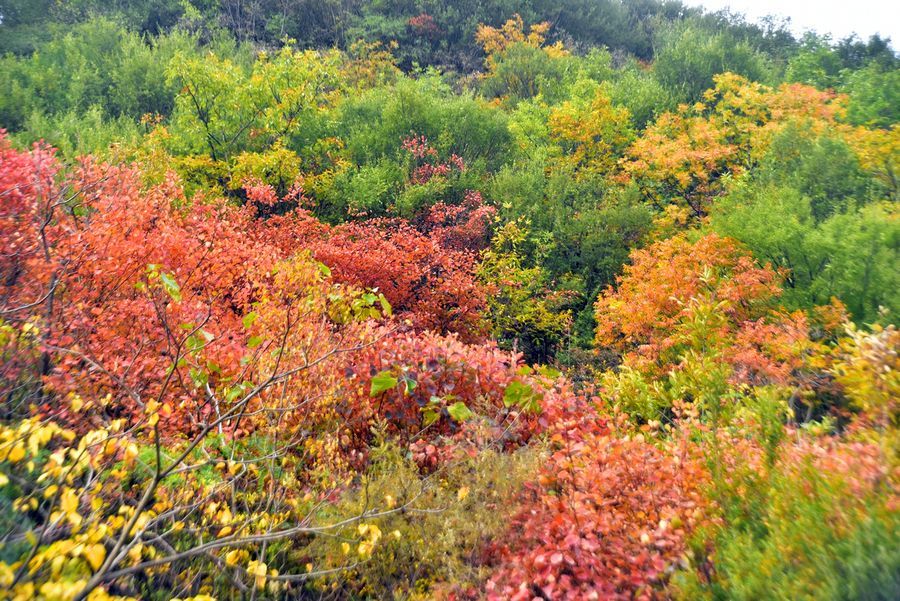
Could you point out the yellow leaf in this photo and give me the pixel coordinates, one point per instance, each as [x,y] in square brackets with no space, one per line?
[232,557]
[6,575]
[258,569]
[56,565]
[135,552]
[131,453]
[68,501]
[16,454]
[95,554]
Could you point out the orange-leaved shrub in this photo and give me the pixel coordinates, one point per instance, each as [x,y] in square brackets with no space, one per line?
[608,518]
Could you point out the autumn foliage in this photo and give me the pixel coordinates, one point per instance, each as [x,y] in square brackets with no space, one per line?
[606,520]
[450,311]
[673,284]
[129,300]
[684,154]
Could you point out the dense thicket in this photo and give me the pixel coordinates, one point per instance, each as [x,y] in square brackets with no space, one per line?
[420,299]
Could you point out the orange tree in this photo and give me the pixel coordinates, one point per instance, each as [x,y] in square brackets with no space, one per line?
[691,320]
[683,155]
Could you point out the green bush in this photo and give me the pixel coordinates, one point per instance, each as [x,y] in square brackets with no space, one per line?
[95,64]
[690,55]
[851,255]
[525,71]
[641,93]
[76,134]
[803,533]
[873,96]
[374,124]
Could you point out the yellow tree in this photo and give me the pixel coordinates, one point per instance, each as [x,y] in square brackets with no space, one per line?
[682,157]
[592,134]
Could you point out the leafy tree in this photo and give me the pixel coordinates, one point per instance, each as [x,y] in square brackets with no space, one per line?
[591,133]
[222,109]
[683,156]
[850,255]
[675,281]
[856,53]
[519,65]
[871,91]
[816,64]
[690,56]
[524,312]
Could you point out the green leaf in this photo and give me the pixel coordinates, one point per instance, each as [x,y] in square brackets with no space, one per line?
[194,344]
[199,377]
[459,411]
[382,381]
[514,393]
[170,286]
[532,404]
[254,341]
[522,396]
[233,393]
[549,372]
[249,318]
[386,308]
[431,415]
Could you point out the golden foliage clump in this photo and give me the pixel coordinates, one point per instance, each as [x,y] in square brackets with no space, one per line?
[496,41]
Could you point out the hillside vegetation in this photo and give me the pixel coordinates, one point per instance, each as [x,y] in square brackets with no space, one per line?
[419,299]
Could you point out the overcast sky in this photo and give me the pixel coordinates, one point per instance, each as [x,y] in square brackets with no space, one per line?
[840,18]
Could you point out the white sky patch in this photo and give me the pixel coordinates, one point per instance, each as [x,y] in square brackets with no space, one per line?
[839,18]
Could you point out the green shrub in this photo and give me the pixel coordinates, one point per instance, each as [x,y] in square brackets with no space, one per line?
[691,55]
[803,532]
